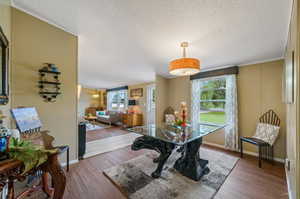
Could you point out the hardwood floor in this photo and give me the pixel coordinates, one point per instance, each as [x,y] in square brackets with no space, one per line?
[86,181]
[104,133]
[246,181]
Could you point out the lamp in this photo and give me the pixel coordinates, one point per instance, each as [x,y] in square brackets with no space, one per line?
[132,102]
[184,66]
[96,95]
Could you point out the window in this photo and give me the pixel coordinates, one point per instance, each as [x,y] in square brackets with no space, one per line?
[213,100]
[117,100]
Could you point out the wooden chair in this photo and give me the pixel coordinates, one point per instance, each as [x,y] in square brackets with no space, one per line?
[265,150]
[170,111]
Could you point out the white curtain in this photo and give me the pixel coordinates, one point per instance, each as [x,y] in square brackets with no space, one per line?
[125,102]
[195,103]
[231,108]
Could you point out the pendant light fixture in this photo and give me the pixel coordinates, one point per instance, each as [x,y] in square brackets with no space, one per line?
[184,66]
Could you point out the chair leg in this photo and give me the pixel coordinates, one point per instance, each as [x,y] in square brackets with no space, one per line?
[241,144]
[272,154]
[68,159]
[268,152]
[259,156]
[265,151]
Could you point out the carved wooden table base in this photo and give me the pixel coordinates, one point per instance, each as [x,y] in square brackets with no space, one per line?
[189,164]
[11,170]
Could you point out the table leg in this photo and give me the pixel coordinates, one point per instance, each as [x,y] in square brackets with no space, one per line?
[11,190]
[190,164]
[57,176]
[164,148]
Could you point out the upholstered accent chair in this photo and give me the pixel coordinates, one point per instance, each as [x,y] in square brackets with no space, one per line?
[266,134]
[169,114]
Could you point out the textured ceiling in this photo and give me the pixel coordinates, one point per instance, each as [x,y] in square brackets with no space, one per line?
[126,42]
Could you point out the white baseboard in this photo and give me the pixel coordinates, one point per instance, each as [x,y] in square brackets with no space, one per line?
[246,152]
[288,184]
[70,163]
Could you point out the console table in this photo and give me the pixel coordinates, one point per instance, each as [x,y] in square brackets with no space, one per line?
[11,170]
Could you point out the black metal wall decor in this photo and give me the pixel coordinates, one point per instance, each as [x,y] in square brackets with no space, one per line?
[4,62]
[49,83]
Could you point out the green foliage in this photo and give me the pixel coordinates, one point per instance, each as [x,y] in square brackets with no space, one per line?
[213,90]
[31,155]
[179,122]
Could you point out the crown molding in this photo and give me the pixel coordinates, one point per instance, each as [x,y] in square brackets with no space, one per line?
[261,61]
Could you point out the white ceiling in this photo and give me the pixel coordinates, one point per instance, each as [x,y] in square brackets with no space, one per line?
[123,42]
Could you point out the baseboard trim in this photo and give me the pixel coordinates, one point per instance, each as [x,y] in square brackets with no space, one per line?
[70,163]
[288,184]
[245,152]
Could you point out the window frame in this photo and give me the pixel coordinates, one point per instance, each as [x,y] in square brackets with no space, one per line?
[118,101]
[218,100]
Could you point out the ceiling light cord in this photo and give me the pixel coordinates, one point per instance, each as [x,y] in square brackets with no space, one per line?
[184,45]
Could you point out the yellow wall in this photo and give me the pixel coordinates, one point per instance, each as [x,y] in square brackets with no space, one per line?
[86,100]
[161,98]
[5,23]
[142,101]
[179,90]
[36,42]
[259,89]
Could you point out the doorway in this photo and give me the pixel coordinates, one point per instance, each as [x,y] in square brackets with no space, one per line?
[151,104]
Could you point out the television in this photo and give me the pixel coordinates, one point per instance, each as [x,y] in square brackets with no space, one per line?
[27,119]
[132,102]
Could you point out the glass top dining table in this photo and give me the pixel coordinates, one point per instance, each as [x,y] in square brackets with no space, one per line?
[176,134]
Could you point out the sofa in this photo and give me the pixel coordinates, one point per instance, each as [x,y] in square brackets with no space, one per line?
[110,117]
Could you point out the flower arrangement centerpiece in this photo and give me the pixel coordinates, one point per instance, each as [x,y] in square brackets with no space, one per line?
[181,115]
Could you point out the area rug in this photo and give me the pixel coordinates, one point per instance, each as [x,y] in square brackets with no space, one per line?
[133,178]
[109,144]
[96,126]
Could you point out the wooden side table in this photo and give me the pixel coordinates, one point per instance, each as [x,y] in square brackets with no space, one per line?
[132,119]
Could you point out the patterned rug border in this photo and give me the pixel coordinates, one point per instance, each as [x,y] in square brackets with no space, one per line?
[125,194]
[115,184]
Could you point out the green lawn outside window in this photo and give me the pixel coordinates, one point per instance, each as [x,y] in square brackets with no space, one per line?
[213,117]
